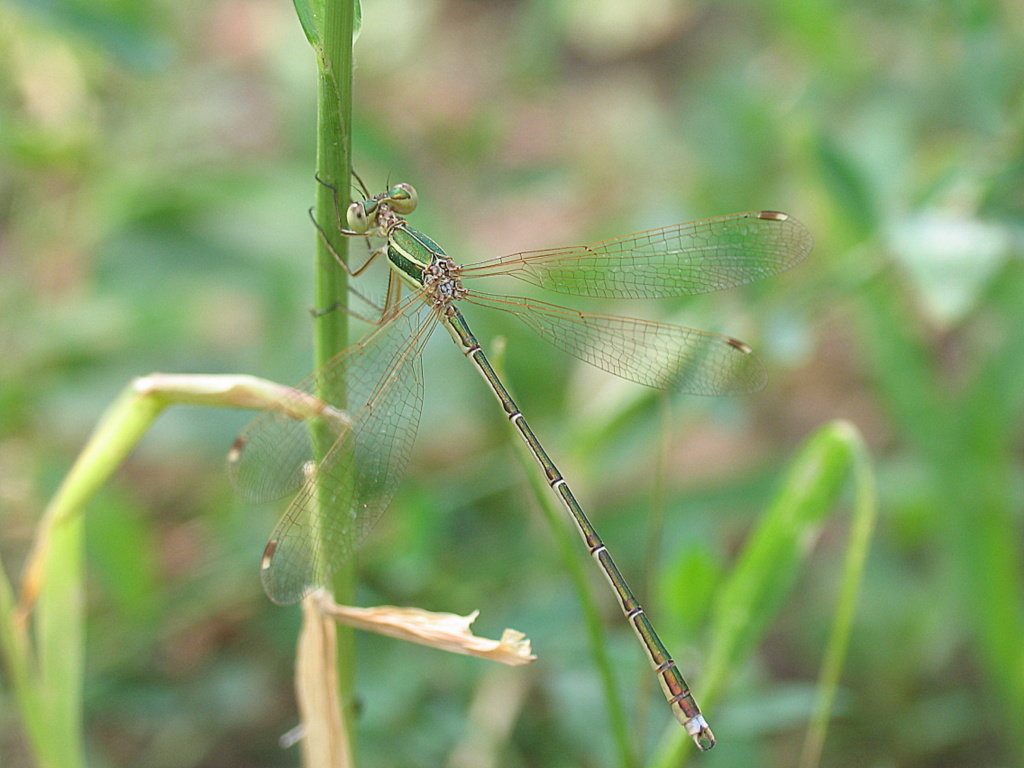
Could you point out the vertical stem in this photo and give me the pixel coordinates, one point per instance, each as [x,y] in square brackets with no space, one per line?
[334,126]
[333,163]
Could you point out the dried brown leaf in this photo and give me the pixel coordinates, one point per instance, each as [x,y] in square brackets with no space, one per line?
[445,631]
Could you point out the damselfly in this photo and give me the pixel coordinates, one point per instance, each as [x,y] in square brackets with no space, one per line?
[341,497]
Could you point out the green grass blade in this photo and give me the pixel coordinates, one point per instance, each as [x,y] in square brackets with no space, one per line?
[60,639]
[19,664]
[865,513]
[980,479]
[59,617]
[49,691]
[766,570]
[57,574]
[751,595]
[310,12]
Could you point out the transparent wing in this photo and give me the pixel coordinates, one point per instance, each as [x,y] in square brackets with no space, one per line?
[681,260]
[267,459]
[340,500]
[654,354]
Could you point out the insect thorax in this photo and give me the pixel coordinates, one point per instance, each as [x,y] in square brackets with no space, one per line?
[442,283]
[422,262]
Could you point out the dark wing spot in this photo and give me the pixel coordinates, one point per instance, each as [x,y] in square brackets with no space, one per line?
[268,554]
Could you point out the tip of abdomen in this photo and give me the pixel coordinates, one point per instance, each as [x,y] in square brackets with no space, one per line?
[697,727]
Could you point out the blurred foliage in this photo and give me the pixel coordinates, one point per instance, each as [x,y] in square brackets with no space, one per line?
[155,170]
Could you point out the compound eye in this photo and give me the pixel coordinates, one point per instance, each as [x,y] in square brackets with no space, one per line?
[402,199]
[357,218]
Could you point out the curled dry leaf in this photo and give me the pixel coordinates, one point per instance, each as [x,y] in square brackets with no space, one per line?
[445,631]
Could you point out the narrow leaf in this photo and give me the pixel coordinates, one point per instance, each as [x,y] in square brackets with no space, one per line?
[309,13]
[766,571]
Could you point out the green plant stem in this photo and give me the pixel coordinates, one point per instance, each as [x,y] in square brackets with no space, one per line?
[333,160]
[574,565]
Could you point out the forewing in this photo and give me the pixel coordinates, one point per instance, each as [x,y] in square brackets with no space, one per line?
[268,458]
[654,354]
[339,501]
[681,260]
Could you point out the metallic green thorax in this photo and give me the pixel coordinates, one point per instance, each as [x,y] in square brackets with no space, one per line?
[421,263]
[411,252]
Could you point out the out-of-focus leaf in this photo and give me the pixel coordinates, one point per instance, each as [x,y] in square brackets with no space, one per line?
[848,186]
[608,28]
[688,585]
[950,258]
[122,550]
[902,365]
[124,32]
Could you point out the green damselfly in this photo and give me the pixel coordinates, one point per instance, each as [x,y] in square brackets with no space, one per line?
[382,374]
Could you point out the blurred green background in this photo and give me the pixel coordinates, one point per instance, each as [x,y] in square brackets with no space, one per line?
[156,164]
